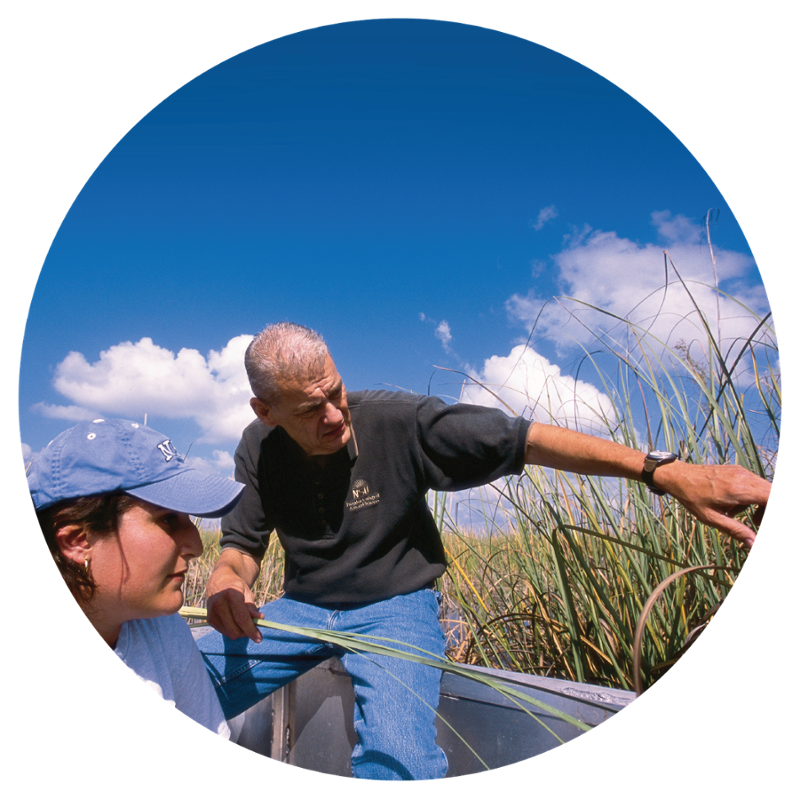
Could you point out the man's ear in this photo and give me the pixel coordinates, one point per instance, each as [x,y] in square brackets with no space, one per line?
[73,543]
[262,412]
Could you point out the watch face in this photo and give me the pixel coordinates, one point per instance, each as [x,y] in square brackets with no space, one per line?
[651,461]
[658,456]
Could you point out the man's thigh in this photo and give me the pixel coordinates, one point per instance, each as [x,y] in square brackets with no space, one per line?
[244,672]
[409,622]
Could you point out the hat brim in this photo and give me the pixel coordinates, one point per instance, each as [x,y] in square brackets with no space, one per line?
[192,492]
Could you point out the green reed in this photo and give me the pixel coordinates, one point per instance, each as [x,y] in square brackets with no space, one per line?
[557,580]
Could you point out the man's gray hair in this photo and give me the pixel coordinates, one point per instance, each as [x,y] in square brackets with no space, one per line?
[279,353]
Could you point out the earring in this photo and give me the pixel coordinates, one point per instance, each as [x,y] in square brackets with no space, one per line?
[86,568]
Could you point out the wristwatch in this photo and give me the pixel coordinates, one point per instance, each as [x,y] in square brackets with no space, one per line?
[651,461]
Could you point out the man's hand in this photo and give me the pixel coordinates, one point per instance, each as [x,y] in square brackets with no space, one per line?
[229,600]
[716,494]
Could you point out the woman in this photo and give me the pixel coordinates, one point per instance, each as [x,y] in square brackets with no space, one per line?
[113,500]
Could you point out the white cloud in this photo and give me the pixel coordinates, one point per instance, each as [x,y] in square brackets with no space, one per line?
[545,215]
[442,331]
[221,463]
[530,385]
[677,228]
[72,413]
[627,279]
[444,335]
[134,379]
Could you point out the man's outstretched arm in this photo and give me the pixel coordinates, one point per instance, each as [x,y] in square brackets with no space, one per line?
[714,494]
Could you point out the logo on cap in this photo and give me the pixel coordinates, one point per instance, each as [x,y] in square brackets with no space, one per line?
[167,450]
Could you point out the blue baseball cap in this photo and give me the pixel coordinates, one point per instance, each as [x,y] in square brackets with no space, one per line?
[117,455]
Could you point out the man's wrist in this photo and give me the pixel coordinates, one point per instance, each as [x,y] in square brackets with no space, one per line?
[652,461]
[234,565]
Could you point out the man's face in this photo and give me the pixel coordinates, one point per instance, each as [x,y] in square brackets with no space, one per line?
[313,412]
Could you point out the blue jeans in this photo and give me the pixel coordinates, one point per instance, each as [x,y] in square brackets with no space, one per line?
[395,700]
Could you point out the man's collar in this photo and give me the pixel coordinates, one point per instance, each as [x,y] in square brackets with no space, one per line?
[352,444]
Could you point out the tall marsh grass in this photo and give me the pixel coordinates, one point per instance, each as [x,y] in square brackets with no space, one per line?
[560,579]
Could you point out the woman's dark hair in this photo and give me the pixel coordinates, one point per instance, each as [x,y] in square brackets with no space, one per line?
[99,513]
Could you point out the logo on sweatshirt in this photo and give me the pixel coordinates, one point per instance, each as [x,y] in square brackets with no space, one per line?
[361,496]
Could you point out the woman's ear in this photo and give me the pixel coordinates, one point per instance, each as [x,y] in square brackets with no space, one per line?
[73,542]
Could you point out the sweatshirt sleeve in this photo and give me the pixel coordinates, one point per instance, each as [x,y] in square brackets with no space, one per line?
[463,446]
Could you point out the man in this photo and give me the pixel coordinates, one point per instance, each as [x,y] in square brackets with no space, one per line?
[343,482]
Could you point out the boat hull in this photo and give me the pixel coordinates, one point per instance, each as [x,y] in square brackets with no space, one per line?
[309,723]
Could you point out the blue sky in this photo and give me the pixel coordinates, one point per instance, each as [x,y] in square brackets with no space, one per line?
[415,190]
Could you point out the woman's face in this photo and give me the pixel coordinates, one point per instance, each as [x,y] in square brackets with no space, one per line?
[139,573]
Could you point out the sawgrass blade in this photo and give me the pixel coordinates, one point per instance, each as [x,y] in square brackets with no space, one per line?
[355,642]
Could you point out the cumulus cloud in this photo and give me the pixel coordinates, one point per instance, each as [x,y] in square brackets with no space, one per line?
[442,331]
[221,462]
[134,379]
[531,386]
[72,413]
[628,279]
[545,215]
[444,335]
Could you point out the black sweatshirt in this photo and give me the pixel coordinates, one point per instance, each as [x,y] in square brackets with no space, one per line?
[359,529]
